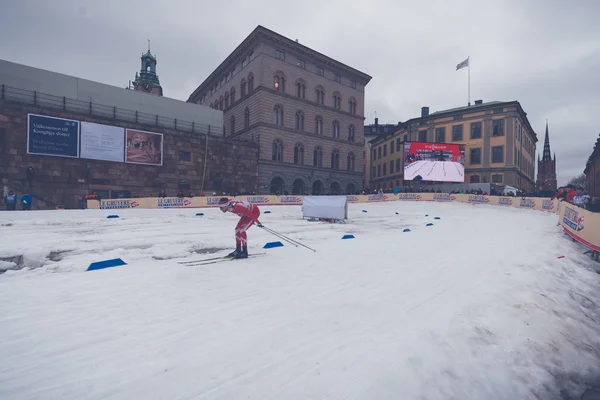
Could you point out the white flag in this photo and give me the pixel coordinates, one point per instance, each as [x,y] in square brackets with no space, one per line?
[463,64]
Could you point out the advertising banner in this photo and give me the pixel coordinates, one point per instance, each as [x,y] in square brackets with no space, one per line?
[439,162]
[580,224]
[52,136]
[102,142]
[143,147]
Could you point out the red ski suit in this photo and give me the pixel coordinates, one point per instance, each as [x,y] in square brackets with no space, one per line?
[249,213]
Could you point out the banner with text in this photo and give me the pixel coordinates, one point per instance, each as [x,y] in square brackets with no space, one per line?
[51,136]
[102,142]
[582,225]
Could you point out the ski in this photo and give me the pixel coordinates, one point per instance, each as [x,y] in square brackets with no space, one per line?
[203,259]
[221,259]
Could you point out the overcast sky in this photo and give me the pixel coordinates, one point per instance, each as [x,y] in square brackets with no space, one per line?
[543,53]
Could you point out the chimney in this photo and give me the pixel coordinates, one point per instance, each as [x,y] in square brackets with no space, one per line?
[376,121]
[424,111]
[478,102]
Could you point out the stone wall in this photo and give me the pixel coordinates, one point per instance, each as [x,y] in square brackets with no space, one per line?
[231,166]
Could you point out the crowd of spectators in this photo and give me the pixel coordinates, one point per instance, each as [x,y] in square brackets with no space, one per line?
[578,196]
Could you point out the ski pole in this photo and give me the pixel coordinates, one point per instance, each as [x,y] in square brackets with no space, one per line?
[287,239]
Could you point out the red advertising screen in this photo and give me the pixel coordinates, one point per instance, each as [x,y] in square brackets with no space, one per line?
[437,162]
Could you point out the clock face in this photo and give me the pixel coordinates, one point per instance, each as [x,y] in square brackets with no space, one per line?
[147,87]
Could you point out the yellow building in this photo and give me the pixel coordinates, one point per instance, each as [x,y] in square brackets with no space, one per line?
[499,144]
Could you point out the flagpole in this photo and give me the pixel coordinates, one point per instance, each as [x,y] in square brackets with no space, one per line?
[469,65]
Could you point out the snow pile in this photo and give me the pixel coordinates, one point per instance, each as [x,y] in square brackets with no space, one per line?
[476,306]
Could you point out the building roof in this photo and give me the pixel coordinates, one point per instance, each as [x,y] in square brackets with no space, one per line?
[595,154]
[261,32]
[452,111]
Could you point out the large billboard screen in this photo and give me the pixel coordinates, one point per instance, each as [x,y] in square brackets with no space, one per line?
[102,142]
[437,162]
[51,136]
[143,147]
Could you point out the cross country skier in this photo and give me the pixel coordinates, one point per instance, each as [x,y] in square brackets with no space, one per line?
[249,214]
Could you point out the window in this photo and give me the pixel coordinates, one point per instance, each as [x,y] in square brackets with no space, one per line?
[299,121]
[474,179]
[320,71]
[299,154]
[232,95]
[301,63]
[243,88]
[221,103]
[280,55]
[379,152]
[246,118]
[319,125]
[391,167]
[457,133]
[337,77]
[352,106]
[350,162]
[335,159]
[351,133]
[277,154]
[185,156]
[496,178]
[398,167]
[398,144]
[353,84]
[378,171]
[476,130]
[475,156]
[422,136]
[373,172]
[385,150]
[498,127]
[301,89]
[497,154]
[336,130]
[374,154]
[278,115]
[320,95]
[226,99]
[232,125]
[392,147]
[279,82]
[440,135]
[337,100]
[250,83]
[318,157]
[384,169]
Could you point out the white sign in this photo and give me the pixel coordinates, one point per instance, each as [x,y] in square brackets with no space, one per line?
[327,207]
[102,142]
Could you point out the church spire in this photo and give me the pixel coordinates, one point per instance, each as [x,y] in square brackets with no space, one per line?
[547,155]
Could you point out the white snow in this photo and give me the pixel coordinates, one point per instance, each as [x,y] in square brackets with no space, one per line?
[477,306]
[441,171]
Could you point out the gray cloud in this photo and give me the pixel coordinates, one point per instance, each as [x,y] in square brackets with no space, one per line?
[543,53]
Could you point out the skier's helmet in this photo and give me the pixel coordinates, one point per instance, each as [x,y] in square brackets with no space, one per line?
[224,204]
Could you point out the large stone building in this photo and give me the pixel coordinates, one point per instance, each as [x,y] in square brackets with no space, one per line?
[143,144]
[371,132]
[592,171]
[305,108]
[499,144]
[546,171]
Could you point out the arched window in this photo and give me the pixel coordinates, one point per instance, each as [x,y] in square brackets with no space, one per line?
[299,154]
[221,103]
[250,83]
[352,105]
[232,125]
[350,162]
[243,88]
[335,159]
[278,115]
[279,81]
[246,118]
[318,157]
[301,88]
[336,130]
[226,99]
[232,95]
[277,154]
[299,121]
[337,100]
[319,125]
[351,133]
[320,94]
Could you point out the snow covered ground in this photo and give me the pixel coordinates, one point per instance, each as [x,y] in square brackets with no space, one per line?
[477,306]
[442,171]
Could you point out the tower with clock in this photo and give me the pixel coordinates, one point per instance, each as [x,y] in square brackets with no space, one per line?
[147,80]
